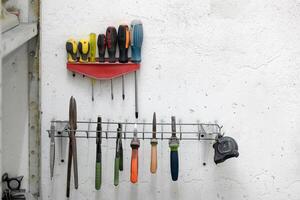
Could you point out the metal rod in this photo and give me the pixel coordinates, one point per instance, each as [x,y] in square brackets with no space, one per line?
[141,123]
[146,138]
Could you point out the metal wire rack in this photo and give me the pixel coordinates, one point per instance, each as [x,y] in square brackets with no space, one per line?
[185,131]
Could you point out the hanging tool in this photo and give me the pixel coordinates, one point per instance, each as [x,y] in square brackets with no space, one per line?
[136,34]
[119,156]
[93,57]
[135,144]
[225,148]
[101,43]
[174,144]
[111,42]
[83,48]
[121,147]
[98,176]
[52,149]
[124,42]
[72,145]
[153,164]
[71,47]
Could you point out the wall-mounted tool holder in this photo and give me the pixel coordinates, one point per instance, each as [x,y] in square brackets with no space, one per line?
[103,71]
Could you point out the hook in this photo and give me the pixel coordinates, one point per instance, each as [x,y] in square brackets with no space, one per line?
[106,133]
[180,129]
[143,129]
[89,128]
[199,132]
[125,129]
[162,129]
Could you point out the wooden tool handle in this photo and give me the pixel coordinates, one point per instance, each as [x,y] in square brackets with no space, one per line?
[134,166]
[153,164]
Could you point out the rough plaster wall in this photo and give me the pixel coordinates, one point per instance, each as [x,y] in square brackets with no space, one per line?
[15,114]
[233,61]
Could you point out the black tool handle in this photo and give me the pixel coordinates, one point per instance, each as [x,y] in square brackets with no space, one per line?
[124,42]
[111,42]
[101,43]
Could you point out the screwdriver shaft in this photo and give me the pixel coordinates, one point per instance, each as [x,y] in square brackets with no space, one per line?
[111,89]
[123,89]
[136,94]
[93,82]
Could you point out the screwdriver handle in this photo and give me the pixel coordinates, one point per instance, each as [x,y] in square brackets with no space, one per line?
[92,47]
[121,156]
[111,41]
[134,166]
[174,164]
[72,48]
[98,175]
[101,43]
[124,42]
[116,173]
[83,48]
[136,34]
[153,164]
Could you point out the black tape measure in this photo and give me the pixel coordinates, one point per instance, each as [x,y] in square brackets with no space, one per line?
[225,148]
[12,183]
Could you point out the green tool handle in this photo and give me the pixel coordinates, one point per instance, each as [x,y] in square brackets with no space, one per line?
[98,175]
[117,168]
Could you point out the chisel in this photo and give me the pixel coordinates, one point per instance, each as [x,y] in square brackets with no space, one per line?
[153,164]
[124,42]
[71,47]
[174,144]
[98,170]
[52,149]
[136,34]
[72,145]
[135,144]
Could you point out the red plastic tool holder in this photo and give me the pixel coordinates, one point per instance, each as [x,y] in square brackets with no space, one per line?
[104,70]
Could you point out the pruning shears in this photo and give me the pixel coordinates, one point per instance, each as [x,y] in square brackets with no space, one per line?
[72,145]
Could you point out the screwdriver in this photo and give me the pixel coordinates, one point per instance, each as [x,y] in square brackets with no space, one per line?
[111,42]
[124,42]
[98,170]
[135,144]
[93,57]
[174,144]
[101,43]
[83,48]
[71,47]
[136,34]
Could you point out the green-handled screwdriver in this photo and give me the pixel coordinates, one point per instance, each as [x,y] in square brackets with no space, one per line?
[98,155]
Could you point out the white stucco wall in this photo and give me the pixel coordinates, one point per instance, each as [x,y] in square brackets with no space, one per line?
[233,61]
[15,114]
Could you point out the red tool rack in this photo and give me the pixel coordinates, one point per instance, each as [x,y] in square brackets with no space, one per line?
[103,70]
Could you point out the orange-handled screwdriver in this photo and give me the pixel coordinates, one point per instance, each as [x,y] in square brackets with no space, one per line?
[135,144]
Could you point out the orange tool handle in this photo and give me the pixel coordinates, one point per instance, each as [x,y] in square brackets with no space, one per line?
[134,166]
[153,164]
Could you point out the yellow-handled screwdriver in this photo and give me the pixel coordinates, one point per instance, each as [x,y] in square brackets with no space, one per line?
[83,48]
[93,57]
